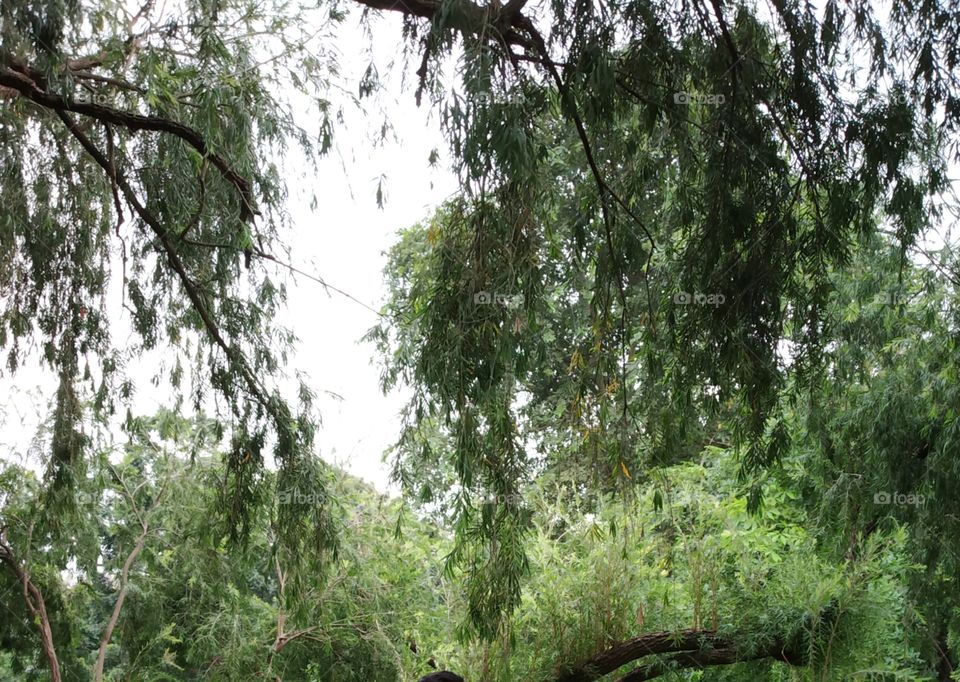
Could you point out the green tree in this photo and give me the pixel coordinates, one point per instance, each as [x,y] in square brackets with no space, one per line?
[665,197]
[152,589]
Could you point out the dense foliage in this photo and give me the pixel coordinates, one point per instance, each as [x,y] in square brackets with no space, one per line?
[194,609]
[682,351]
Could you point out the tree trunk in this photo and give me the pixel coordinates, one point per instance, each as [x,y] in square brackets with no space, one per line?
[121,596]
[35,604]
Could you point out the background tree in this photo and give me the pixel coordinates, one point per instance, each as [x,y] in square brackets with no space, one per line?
[672,191]
[145,527]
[671,201]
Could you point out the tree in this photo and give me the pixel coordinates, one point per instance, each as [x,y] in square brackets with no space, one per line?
[705,581]
[141,150]
[824,486]
[671,215]
[663,195]
[154,591]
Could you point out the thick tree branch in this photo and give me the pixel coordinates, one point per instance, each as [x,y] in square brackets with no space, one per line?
[693,648]
[708,657]
[467,17]
[18,77]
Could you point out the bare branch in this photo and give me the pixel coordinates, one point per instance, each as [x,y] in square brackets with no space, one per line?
[693,648]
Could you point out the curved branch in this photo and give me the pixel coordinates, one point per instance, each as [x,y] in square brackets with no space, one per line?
[234,355]
[702,659]
[18,78]
[693,648]
[35,605]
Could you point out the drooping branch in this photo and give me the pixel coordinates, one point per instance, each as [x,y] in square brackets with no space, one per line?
[35,605]
[515,29]
[233,354]
[20,78]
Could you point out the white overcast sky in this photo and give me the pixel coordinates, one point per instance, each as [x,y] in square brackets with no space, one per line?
[342,241]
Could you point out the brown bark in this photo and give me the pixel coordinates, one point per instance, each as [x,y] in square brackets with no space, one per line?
[504,23]
[118,605]
[708,657]
[24,80]
[35,605]
[692,648]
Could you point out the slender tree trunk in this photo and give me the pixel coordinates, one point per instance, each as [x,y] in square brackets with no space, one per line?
[945,666]
[35,604]
[144,519]
[121,596]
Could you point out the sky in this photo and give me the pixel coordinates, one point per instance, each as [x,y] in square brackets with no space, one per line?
[346,239]
[343,242]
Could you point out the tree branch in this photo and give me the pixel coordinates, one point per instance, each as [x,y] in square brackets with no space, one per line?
[35,605]
[704,658]
[468,17]
[144,519]
[693,648]
[234,355]
[18,77]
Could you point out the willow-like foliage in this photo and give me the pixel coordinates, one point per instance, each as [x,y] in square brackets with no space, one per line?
[137,156]
[656,200]
[654,195]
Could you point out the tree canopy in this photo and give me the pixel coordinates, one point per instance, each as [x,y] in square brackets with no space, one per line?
[694,244]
